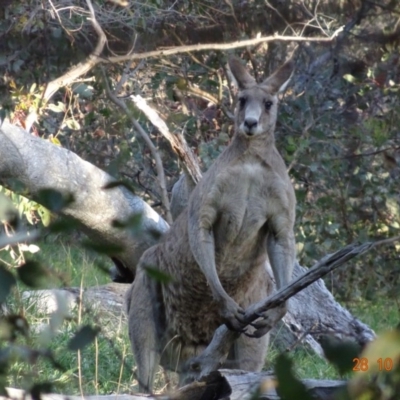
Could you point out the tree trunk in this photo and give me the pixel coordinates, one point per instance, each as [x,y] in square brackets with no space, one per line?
[39,164]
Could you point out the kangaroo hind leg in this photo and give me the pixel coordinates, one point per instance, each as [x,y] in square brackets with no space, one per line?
[145,328]
[250,353]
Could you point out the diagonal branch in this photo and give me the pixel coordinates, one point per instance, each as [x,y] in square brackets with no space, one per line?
[177,141]
[82,68]
[217,350]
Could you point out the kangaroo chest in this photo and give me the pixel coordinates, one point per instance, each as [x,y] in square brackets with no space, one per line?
[246,195]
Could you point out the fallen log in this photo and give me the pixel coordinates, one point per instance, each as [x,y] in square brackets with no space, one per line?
[219,385]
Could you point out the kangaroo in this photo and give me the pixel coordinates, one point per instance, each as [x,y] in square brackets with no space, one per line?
[239,215]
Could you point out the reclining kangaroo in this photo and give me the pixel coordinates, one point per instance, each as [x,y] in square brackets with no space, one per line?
[240,214]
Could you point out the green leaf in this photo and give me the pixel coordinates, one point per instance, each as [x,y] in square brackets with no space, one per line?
[108,249]
[123,183]
[157,275]
[38,388]
[385,346]
[63,225]
[45,215]
[105,112]
[289,387]
[134,223]
[53,199]
[349,78]
[340,353]
[7,281]
[83,338]
[11,325]
[7,210]
[33,274]
[60,107]
[72,124]
[84,91]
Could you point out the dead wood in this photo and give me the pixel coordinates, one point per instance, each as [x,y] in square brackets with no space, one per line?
[107,299]
[177,141]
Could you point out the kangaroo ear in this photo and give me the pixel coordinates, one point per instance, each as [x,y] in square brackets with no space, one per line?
[240,73]
[278,81]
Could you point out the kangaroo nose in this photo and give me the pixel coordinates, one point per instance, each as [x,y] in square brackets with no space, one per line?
[250,123]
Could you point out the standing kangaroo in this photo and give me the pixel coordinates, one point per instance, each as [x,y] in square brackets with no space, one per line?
[240,215]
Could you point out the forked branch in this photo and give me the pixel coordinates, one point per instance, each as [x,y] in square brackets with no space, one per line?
[82,68]
[215,354]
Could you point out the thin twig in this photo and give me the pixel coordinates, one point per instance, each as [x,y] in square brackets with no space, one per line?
[372,153]
[157,158]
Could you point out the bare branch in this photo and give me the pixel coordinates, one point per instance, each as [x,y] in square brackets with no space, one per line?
[177,141]
[220,46]
[320,269]
[82,68]
[217,350]
[95,57]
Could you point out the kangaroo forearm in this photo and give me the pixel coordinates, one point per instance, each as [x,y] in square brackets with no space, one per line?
[203,250]
[282,258]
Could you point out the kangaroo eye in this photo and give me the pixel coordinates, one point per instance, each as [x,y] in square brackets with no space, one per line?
[268,105]
[242,101]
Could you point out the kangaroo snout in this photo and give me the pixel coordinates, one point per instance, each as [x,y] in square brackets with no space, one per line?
[249,125]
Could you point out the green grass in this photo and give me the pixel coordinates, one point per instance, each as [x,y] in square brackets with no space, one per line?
[380,315]
[106,366]
[73,264]
[103,367]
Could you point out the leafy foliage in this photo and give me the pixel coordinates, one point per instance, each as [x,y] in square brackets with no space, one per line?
[33,274]
[380,379]
[82,338]
[289,387]
[7,281]
[27,348]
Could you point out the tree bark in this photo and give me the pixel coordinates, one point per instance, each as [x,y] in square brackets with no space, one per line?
[40,164]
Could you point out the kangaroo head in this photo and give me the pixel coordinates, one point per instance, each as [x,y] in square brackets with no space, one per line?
[257,105]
